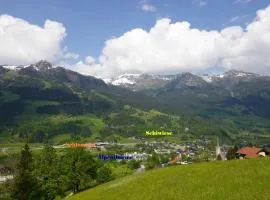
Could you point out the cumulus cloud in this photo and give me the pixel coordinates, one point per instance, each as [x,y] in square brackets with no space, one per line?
[93,69]
[90,60]
[175,47]
[25,43]
[168,47]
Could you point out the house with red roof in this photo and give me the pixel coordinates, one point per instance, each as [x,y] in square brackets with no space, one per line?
[88,145]
[250,152]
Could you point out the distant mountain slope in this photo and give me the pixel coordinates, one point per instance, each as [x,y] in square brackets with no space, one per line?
[186,80]
[235,96]
[39,102]
[139,82]
[54,83]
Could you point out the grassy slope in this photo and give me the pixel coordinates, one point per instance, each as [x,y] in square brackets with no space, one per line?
[240,179]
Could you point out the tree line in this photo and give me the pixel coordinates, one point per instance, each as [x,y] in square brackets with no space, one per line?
[51,175]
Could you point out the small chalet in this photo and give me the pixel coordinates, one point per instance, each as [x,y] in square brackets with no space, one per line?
[250,152]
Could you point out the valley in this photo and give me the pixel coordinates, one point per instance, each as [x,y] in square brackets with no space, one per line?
[40,102]
[135,100]
[66,117]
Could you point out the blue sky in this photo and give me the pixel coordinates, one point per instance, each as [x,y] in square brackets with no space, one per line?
[216,37]
[90,22]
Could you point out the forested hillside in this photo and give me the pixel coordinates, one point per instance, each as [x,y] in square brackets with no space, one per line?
[40,102]
[238,99]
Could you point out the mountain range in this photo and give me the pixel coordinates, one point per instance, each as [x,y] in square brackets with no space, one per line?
[138,82]
[65,101]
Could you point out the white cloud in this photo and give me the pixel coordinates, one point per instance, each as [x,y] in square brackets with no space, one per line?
[174,47]
[147,7]
[168,47]
[90,60]
[25,43]
[94,69]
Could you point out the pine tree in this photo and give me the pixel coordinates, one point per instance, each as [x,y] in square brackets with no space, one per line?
[25,185]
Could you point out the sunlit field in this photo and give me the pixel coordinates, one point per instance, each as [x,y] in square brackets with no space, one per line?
[240,179]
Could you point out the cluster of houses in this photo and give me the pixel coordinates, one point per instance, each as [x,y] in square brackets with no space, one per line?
[162,147]
[138,156]
[189,149]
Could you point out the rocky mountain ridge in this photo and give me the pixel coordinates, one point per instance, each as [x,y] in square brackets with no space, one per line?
[138,82]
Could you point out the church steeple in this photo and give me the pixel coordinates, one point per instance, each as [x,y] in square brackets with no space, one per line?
[218,151]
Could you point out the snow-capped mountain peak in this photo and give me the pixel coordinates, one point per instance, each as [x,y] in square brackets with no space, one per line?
[129,75]
[139,81]
[207,77]
[142,81]
[235,73]
[122,81]
[14,67]
[41,65]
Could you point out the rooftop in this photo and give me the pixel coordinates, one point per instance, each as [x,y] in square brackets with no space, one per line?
[249,152]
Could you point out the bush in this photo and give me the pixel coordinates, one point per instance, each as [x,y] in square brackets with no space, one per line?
[133,164]
[104,174]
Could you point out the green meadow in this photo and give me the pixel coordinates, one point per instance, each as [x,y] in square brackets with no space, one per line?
[230,180]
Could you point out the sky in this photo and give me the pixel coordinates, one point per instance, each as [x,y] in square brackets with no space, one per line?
[106,38]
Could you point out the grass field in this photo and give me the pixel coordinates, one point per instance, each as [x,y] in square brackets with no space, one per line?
[230,180]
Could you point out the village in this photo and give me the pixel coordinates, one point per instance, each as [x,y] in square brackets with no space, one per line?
[168,153]
[199,150]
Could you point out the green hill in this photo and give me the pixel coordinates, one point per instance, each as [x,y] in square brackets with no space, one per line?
[239,179]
